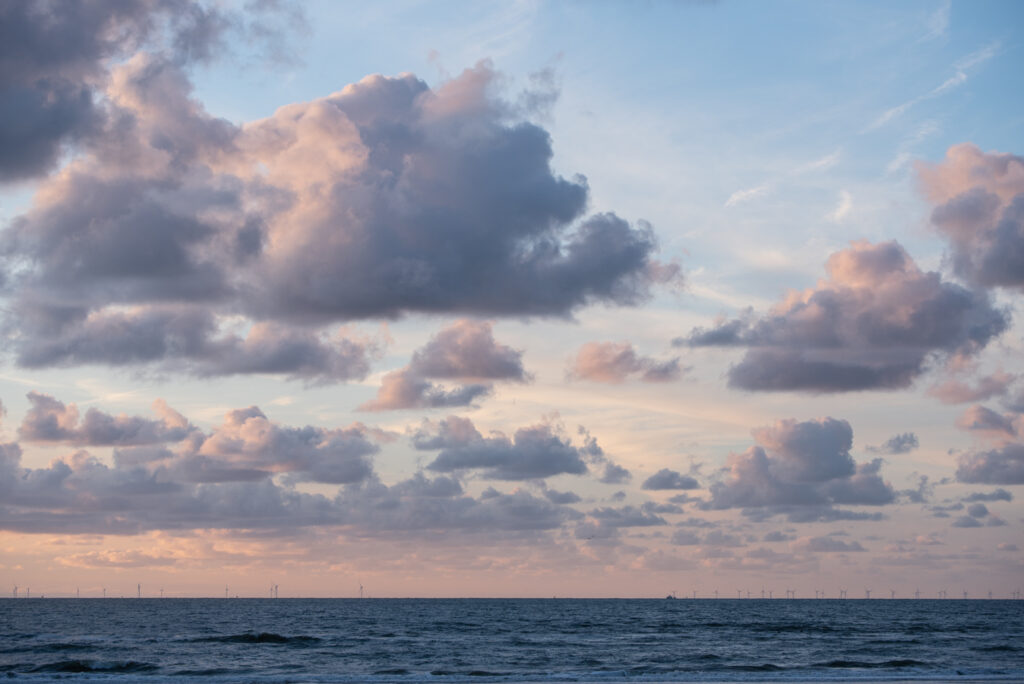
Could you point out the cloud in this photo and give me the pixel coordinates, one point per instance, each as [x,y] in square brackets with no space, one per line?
[741,196]
[626,516]
[1003,461]
[956,392]
[902,443]
[531,453]
[874,323]
[403,390]
[800,469]
[977,510]
[562,498]
[1001,465]
[385,198]
[616,362]
[826,545]
[50,420]
[464,351]
[247,439]
[669,479]
[979,208]
[117,559]
[967,521]
[615,474]
[959,77]
[985,420]
[995,495]
[244,475]
[56,56]
[843,208]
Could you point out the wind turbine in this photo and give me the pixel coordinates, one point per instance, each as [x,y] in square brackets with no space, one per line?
[15,591]
[867,593]
[892,593]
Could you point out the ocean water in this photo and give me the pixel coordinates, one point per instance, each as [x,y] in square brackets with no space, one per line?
[484,640]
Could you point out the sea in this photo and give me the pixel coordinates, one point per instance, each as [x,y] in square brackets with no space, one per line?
[510,640]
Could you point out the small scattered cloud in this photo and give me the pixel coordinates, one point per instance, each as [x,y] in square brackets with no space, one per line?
[467,352]
[617,362]
[670,479]
[843,208]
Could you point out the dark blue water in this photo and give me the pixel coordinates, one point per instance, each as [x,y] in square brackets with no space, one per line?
[411,640]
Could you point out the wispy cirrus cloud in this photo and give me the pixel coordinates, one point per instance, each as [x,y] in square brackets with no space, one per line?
[961,71]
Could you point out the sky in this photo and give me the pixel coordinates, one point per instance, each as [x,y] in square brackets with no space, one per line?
[511,298]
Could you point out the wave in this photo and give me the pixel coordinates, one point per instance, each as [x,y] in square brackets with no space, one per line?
[258,638]
[80,666]
[997,648]
[865,665]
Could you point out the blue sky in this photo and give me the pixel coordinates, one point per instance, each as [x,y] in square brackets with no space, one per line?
[787,157]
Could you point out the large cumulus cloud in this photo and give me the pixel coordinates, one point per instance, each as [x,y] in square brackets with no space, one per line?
[802,469]
[874,323]
[384,198]
[979,198]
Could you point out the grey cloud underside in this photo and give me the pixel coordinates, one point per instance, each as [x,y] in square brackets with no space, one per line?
[1001,465]
[186,339]
[801,470]
[50,420]
[91,498]
[995,495]
[875,323]
[902,443]
[670,479]
[168,475]
[533,452]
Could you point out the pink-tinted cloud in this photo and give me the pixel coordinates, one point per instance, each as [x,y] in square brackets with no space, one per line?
[616,362]
[466,352]
[979,198]
[954,391]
